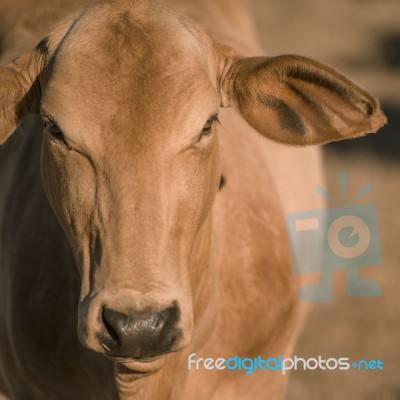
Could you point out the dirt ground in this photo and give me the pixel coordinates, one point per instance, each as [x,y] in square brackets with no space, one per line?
[361,39]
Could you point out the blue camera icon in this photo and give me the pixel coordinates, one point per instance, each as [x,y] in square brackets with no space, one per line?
[339,238]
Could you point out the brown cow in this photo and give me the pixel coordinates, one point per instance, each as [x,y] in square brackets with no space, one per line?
[129,94]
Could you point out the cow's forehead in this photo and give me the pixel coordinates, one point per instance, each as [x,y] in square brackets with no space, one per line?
[132,50]
[126,59]
[123,67]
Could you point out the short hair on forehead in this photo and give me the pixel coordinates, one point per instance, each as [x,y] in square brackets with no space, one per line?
[134,42]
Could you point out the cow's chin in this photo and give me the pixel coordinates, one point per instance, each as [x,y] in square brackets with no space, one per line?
[145,366]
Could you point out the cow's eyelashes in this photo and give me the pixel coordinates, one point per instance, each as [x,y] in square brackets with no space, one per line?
[55,132]
[207,129]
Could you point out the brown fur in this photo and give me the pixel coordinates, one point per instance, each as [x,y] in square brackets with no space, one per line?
[134,184]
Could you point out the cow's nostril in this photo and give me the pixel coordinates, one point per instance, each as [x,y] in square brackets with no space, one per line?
[139,334]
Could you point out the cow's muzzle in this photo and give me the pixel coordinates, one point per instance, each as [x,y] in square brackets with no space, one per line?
[131,327]
[139,335]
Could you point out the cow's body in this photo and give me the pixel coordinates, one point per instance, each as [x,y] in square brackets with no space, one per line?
[247,303]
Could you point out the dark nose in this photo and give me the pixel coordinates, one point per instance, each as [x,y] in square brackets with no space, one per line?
[140,334]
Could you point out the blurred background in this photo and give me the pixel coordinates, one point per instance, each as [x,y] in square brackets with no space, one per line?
[360,38]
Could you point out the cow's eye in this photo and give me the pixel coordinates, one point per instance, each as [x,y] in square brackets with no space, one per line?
[54,131]
[209,125]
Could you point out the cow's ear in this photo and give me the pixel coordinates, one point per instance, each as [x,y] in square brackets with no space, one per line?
[19,91]
[298,101]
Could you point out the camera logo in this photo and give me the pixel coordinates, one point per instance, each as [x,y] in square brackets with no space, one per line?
[345,237]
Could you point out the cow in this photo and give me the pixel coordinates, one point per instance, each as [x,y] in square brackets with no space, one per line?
[146,168]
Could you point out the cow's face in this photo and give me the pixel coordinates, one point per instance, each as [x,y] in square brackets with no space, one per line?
[130,100]
[131,167]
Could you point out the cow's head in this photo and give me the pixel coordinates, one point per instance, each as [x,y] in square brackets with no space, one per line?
[129,93]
